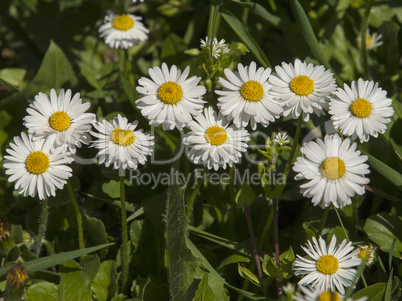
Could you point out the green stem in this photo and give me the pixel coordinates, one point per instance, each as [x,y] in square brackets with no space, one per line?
[323,220]
[124,232]
[266,229]
[363,36]
[42,227]
[78,215]
[343,227]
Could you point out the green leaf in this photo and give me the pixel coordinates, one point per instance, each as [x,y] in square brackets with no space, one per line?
[245,196]
[373,292]
[233,259]
[388,289]
[42,291]
[90,265]
[270,268]
[286,259]
[74,284]
[49,261]
[135,232]
[247,274]
[112,189]
[96,233]
[54,72]
[308,33]
[104,285]
[260,11]
[387,172]
[12,77]
[204,291]
[247,39]
[383,229]
[181,263]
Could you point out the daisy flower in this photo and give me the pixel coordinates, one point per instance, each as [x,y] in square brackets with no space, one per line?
[35,168]
[329,268]
[122,31]
[361,110]
[61,119]
[372,40]
[320,294]
[170,98]
[367,253]
[302,89]
[213,142]
[246,97]
[120,145]
[334,170]
[218,48]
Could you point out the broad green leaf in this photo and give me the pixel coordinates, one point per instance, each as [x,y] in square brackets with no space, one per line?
[96,233]
[90,265]
[383,229]
[233,259]
[246,38]
[112,189]
[104,285]
[12,77]
[215,281]
[245,196]
[260,11]
[49,261]
[373,292]
[42,291]
[204,292]
[247,274]
[387,172]
[388,289]
[286,259]
[54,72]
[135,232]
[181,263]
[90,76]
[270,268]
[74,284]
[308,33]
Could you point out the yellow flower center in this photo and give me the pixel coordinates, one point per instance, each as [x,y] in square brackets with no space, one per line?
[170,93]
[122,137]
[363,254]
[329,296]
[60,121]
[252,91]
[37,162]
[360,108]
[368,40]
[302,85]
[327,264]
[17,276]
[216,135]
[123,22]
[332,168]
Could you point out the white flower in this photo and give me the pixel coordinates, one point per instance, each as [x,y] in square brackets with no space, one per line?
[334,170]
[302,88]
[218,48]
[122,31]
[120,145]
[135,1]
[362,110]
[170,98]
[329,268]
[281,138]
[35,167]
[60,119]
[246,97]
[213,142]
[367,253]
[372,40]
[320,294]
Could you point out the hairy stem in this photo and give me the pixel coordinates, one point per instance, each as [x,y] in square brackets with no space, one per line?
[42,227]
[124,232]
[78,215]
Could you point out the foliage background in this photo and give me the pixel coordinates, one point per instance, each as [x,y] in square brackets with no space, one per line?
[48,44]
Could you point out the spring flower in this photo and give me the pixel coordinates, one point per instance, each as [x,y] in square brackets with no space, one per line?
[334,170]
[218,48]
[281,138]
[302,89]
[372,40]
[319,294]
[170,98]
[35,167]
[120,145]
[246,97]
[367,253]
[61,119]
[328,268]
[17,276]
[122,31]
[213,142]
[361,110]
